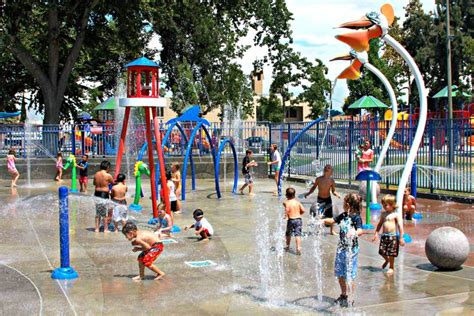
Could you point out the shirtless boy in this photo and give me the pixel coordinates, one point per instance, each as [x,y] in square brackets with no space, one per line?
[102,180]
[390,220]
[325,185]
[150,246]
[118,197]
[293,212]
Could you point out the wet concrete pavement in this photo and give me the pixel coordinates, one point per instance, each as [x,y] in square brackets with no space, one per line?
[30,250]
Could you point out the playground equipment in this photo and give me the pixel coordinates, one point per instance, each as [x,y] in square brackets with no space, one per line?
[71,162]
[290,146]
[65,272]
[353,72]
[142,91]
[193,115]
[368,175]
[139,169]
[447,248]
[374,25]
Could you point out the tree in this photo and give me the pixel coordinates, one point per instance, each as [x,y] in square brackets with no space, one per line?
[270,109]
[317,89]
[205,35]
[50,39]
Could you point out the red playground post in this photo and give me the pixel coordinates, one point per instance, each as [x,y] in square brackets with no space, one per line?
[161,160]
[142,91]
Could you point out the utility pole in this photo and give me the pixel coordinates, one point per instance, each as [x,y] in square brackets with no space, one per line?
[450,92]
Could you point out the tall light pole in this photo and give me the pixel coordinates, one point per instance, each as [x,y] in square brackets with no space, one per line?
[450,92]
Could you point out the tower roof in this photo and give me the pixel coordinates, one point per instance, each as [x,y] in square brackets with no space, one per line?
[142,61]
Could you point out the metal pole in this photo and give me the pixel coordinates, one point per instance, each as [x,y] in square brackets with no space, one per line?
[450,92]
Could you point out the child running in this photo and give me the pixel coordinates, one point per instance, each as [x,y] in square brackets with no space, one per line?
[389,241]
[118,193]
[11,167]
[165,222]
[293,212]
[326,185]
[59,167]
[102,180]
[150,246]
[247,165]
[409,204]
[83,167]
[202,226]
[347,251]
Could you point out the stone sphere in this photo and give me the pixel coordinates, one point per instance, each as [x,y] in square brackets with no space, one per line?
[363,189]
[447,248]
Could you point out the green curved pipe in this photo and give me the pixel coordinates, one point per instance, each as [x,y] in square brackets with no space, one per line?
[140,168]
[71,162]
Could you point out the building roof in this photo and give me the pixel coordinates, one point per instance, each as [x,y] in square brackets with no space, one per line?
[142,61]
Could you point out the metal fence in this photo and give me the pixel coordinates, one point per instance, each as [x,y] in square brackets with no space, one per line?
[334,143]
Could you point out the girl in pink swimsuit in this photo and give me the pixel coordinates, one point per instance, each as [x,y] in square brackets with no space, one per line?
[59,167]
[11,167]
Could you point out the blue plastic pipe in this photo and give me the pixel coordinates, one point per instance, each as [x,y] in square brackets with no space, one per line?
[65,271]
[288,150]
[186,158]
[217,169]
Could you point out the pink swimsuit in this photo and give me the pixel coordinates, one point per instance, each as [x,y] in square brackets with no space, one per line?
[11,163]
[59,164]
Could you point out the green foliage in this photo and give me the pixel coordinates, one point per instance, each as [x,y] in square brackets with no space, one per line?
[316,89]
[64,45]
[270,109]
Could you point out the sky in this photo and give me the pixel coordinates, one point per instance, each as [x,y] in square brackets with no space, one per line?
[313,34]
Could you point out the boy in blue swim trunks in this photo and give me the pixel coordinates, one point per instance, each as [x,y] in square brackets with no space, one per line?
[293,212]
[347,251]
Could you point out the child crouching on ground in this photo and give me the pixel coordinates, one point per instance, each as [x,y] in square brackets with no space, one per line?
[389,241]
[293,212]
[150,246]
[202,226]
[409,204]
[165,222]
[350,224]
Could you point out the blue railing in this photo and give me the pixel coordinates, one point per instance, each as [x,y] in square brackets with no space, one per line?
[333,143]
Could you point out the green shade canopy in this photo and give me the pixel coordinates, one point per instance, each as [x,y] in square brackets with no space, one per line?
[443,93]
[367,102]
[108,104]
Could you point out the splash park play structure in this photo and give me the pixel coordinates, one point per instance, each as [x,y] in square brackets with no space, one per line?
[243,269]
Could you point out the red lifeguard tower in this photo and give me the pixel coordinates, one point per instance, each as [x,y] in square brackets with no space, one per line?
[142,91]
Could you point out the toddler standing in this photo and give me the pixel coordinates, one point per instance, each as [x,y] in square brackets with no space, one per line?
[350,224]
[390,220]
[59,167]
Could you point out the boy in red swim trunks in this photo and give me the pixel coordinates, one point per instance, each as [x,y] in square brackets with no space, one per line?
[150,246]
[83,167]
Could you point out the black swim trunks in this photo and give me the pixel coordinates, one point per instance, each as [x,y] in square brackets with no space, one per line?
[101,204]
[325,207]
[293,227]
[389,245]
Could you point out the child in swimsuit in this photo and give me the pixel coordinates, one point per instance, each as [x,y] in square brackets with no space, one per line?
[409,205]
[102,181]
[293,212]
[118,193]
[165,223]
[11,167]
[326,185]
[202,226]
[59,167]
[150,246]
[390,220]
[350,224]
[83,167]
